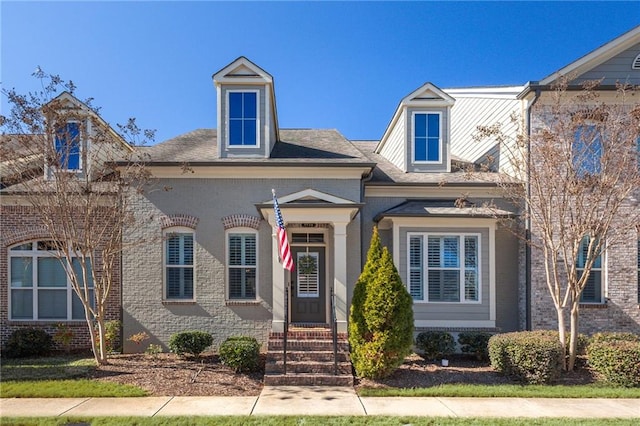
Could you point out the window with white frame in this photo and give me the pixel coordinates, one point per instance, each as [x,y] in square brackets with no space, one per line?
[242,116]
[178,264]
[587,150]
[242,264]
[40,288]
[444,267]
[68,146]
[427,137]
[592,292]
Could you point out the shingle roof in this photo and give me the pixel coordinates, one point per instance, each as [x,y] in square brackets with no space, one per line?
[441,208]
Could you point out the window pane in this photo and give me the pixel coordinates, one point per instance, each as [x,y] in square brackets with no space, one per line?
[180,283]
[51,273]
[52,304]
[451,286]
[235,250]
[77,310]
[25,246]
[451,252]
[249,250]
[21,304]
[250,283]
[433,126]
[420,149]
[592,290]
[420,129]
[21,272]
[471,285]
[187,241]
[67,145]
[235,105]
[433,149]
[235,132]
[587,150]
[250,105]
[77,269]
[433,252]
[249,132]
[470,252]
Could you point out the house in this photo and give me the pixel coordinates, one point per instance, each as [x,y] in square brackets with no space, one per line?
[203,253]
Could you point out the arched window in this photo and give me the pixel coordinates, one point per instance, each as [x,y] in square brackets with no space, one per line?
[39,286]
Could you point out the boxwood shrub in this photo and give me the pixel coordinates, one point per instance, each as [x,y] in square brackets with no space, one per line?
[616,358]
[242,353]
[190,342]
[533,357]
[475,343]
[26,342]
[434,344]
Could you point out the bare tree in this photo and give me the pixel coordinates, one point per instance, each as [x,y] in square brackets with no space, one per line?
[579,160]
[62,159]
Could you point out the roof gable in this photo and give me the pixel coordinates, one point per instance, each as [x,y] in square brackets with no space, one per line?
[242,70]
[427,95]
[312,195]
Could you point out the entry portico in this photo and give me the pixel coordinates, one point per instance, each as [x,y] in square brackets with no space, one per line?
[313,212]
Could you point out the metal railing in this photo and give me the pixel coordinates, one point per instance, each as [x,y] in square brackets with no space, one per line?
[334,332]
[286,329]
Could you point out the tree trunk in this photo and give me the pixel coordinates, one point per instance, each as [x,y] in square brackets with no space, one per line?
[562,334]
[573,342]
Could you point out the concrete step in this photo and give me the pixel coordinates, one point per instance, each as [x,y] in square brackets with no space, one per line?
[303,379]
[295,367]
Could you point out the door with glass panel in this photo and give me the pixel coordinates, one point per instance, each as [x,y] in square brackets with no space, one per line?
[308,287]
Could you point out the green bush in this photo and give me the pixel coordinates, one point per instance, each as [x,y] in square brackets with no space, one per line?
[242,353]
[533,357]
[475,343]
[381,316]
[435,344]
[111,335]
[26,342]
[190,342]
[616,358]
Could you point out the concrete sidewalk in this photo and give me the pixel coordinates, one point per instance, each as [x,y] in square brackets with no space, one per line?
[320,400]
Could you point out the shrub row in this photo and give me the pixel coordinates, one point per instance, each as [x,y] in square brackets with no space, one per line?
[616,358]
[439,344]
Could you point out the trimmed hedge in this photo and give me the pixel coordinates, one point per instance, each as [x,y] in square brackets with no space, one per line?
[26,342]
[242,353]
[533,357]
[475,343]
[435,344]
[616,357]
[190,342]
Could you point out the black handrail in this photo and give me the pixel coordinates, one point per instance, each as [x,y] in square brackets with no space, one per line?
[286,329]
[334,332]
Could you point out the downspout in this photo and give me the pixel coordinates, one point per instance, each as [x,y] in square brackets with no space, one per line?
[528,222]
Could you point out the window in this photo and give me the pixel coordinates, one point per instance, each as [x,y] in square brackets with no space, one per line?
[179,265]
[587,150]
[67,146]
[243,119]
[592,292]
[39,286]
[242,265]
[427,147]
[444,268]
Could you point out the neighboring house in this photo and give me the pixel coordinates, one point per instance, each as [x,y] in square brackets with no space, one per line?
[203,253]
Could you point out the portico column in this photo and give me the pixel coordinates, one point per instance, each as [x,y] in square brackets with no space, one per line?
[278,283]
[340,273]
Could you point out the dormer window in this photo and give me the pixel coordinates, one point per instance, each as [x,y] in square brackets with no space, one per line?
[427,137]
[243,118]
[68,146]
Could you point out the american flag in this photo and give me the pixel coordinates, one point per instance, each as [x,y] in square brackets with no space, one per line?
[283,241]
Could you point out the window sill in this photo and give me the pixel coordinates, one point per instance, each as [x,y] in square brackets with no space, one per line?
[242,302]
[593,305]
[40,323]
[178,302]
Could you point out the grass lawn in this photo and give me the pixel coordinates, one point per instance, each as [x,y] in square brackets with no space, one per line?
[310,420]
[516,391]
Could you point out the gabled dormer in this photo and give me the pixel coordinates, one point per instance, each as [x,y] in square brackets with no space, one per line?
[247,118]
[77,140]
[418,137]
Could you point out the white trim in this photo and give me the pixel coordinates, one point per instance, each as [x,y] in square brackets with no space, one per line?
[227,120]
[165,233]
[227,234]
[461,269]
[312,193]
[259,171]
[413,137]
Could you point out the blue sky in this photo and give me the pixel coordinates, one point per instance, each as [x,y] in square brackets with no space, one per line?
[342,65]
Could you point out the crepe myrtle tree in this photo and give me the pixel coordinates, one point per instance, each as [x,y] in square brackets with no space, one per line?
[78,174]
[580,166]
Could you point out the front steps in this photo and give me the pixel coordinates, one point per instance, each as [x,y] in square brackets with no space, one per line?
[310,359]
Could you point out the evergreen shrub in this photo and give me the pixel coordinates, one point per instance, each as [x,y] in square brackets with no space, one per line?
[190,342]
[533,357]
[475,343]
[616,358]
[242,353]
[435,344]
[26,342]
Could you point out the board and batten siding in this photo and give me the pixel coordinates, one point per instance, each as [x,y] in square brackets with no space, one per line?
[264,124]
[395,148]
[450,311]
[616,69]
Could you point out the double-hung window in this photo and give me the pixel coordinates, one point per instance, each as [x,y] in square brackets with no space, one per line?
[587,150]
[444,267]
[242,264]
[243,119]
[179,265]
[68,146]
[40,288]
[427,137]
[592,292]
